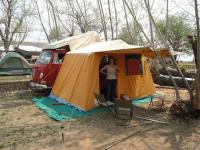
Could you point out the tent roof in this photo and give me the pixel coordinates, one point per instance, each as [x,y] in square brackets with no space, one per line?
[118,46]
[77,41]
[23,47]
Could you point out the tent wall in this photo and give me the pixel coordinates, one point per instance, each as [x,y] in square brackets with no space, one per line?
[12,58]
[12,62]
[78,78]
[15,63]
[134,85]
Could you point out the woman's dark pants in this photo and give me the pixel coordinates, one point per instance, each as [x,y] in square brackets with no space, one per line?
[111,89]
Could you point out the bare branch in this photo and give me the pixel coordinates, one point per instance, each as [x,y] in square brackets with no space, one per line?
[43,27]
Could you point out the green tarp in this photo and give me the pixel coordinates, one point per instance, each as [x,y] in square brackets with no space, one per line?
[60,112]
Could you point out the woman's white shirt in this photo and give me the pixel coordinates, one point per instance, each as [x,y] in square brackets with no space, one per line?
[112,72]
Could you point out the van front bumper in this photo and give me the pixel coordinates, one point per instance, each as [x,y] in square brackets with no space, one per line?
[39,87]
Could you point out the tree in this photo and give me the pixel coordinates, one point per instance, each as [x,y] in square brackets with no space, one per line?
[52,29]
[172,58]
[131,35]
[55,30]
[55,33]
[80,14]
[13,22]
[175,33]
[41,22]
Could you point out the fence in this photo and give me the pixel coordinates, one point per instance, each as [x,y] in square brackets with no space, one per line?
[189,66]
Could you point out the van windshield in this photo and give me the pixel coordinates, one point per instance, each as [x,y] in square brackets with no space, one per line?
[44,58]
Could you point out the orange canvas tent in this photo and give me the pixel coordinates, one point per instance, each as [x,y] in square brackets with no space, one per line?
[79,75]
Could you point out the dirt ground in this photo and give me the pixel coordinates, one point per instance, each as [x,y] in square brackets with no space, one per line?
[25,127]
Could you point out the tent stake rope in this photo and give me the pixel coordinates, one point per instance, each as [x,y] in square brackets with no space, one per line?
[129,136]
[153,120]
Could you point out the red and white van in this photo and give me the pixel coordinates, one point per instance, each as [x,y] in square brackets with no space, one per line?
[47,66]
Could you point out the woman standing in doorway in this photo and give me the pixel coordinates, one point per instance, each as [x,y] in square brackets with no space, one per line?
[110,71]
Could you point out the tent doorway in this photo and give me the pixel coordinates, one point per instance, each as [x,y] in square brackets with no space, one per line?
[103,85]
[102,77]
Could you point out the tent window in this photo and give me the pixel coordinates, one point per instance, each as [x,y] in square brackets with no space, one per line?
[133,64]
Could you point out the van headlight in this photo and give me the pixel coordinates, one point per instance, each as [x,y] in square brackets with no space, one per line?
[41,75]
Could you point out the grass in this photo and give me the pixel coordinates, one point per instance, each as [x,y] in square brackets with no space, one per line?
[2,113]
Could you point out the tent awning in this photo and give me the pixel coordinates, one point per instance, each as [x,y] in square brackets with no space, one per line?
[119,47]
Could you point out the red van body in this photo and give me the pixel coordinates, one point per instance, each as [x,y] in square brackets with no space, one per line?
[46,68]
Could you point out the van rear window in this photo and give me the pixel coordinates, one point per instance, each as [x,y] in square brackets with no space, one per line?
[44,58]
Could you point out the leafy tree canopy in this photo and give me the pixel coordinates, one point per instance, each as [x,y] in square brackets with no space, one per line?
[176,33]
[131,35]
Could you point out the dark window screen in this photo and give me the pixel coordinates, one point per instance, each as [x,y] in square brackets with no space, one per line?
[133,64]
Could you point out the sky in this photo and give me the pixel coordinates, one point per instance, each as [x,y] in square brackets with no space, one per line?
[159,7]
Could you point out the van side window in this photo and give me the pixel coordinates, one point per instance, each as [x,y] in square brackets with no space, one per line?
[58,58]
[44,58]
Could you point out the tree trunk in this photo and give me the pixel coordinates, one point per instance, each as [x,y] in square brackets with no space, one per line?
[43,27]
[49,15]
[164,80]
[197,80]
[127,23]
[150,26]
[175,73]
[55,19]
[101,11]
[167,21]
[110,17]
[116,19]
[6,46]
